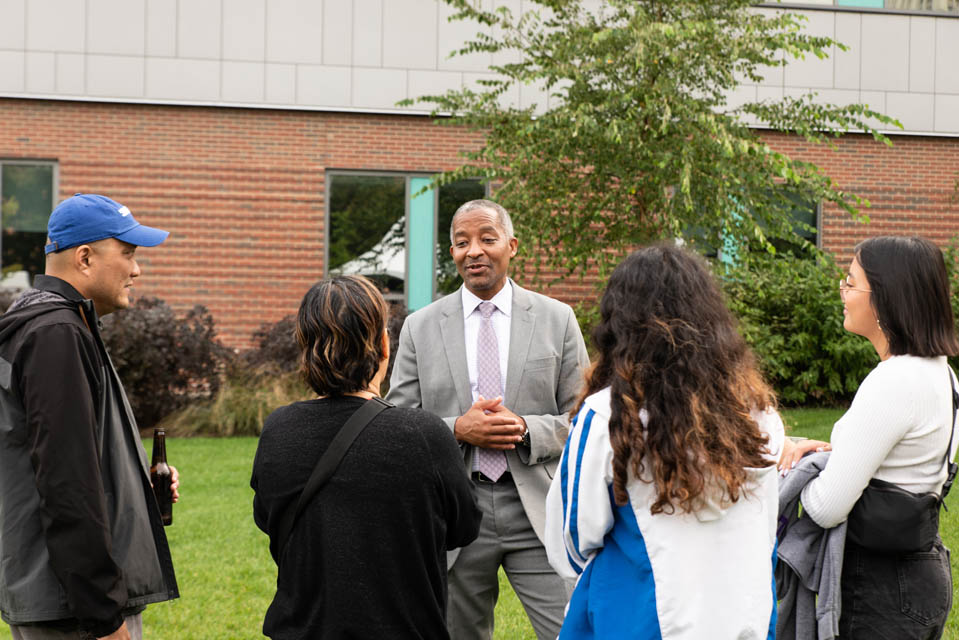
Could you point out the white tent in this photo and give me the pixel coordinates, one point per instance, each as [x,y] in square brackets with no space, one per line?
[386,258]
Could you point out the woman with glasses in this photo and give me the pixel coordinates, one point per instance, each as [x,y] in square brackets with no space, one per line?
[895,436]
[367,557]
[664,504]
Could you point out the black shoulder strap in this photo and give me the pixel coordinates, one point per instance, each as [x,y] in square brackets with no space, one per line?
[951,467]
[328,463]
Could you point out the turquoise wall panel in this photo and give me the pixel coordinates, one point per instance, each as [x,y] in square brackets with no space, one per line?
[420,243]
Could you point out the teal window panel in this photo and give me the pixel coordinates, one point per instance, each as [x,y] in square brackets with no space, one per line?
[420,244]
[872,4]
[805,215]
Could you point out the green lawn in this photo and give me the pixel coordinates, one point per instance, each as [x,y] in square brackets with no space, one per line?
[224,568]
[811,423]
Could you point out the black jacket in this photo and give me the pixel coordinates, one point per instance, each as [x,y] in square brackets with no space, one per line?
[80,534]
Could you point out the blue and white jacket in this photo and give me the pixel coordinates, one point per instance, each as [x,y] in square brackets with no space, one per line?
[707,574]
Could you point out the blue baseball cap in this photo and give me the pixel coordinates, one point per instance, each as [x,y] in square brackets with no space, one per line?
[86,217]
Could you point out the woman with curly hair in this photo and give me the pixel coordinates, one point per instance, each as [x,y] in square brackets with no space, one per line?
[664,508]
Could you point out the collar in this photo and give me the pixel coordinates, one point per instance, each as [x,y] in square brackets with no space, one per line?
[63,288]
[56,285]
[503,300]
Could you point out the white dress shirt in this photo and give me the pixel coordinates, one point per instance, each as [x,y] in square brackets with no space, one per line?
[500,320]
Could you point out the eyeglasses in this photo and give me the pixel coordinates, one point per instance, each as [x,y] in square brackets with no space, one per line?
[844,286]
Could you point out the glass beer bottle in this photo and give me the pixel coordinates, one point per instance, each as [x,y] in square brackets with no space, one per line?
[161,477]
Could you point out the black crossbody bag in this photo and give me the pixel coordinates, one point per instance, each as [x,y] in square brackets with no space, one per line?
[327,465]
[889,519]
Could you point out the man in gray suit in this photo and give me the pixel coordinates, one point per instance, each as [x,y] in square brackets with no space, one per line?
[503,367]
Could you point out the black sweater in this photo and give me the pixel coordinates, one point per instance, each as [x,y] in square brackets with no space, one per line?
[367,559]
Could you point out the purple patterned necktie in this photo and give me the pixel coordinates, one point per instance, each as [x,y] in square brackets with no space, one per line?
[491,462]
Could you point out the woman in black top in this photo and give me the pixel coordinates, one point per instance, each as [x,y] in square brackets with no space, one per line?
[367,557]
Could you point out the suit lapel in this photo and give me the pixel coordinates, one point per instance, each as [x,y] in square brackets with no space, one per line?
[520,336]
[453,339]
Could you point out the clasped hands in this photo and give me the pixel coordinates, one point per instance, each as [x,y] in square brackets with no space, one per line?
[490,425]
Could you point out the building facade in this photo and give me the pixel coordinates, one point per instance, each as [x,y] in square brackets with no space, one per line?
[265,135]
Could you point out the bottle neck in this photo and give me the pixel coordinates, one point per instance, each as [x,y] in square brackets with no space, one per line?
[159,446]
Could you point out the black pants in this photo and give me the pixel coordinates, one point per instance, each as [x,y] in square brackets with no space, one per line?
[895,597]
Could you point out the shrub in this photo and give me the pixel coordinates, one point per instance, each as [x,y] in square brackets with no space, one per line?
[587,315]
[398,315]
[951,254]
[791,314]
[164,362]
[260,380]
[275,347]
[255,383]
[246,397]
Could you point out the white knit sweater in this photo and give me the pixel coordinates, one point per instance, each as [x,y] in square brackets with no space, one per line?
[896,430]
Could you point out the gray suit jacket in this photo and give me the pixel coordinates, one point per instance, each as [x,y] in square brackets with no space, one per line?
[547,359]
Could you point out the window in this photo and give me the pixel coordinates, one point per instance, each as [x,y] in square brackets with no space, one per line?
[871,4]
[804,213]
[925,6]
[27,191]
[381,226]
[367,232]
[943,6]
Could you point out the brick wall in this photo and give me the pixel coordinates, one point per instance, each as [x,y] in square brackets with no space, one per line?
[242,191]
[911,186]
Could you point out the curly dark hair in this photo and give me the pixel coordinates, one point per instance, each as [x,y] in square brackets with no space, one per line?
[339,328]
[668,344]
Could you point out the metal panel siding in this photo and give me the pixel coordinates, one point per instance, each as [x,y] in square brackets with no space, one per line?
[116,27]
[364,55]
[12,23]
[885,53]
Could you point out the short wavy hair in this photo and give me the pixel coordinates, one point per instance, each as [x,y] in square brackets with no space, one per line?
[502,215]
[339,328]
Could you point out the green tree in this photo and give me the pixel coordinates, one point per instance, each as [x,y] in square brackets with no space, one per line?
[638,141]
[951,255]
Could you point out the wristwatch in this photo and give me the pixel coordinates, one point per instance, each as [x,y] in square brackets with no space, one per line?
[525,440]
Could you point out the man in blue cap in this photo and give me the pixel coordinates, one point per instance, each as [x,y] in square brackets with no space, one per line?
[81,537]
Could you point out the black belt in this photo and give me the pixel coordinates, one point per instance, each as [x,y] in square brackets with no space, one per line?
[482,478]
